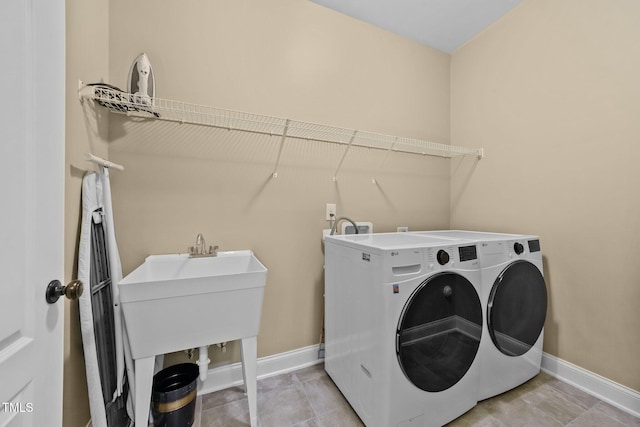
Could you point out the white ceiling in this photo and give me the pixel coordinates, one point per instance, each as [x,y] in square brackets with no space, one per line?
[442,24]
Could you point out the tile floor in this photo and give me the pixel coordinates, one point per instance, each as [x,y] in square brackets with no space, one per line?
[308,398]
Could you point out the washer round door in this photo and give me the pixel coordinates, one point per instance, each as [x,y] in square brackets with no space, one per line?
[517,308]
[439,332]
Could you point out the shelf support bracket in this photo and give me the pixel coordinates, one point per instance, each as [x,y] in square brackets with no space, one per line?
[282,139]
[391,147]
[346,150]
[84,91]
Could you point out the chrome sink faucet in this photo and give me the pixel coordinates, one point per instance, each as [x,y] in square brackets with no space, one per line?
[200,249]
[200,244]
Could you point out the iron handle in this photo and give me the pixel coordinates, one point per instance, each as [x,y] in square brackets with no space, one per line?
[55,290]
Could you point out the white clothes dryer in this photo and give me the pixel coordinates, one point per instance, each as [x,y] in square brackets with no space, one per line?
[514,302]
[403,323]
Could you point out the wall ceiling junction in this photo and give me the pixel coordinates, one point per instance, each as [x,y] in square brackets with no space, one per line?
[442,24]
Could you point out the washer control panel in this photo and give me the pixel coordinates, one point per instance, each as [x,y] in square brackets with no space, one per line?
[449,257]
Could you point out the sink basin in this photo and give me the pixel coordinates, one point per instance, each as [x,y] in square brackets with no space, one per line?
[173,302]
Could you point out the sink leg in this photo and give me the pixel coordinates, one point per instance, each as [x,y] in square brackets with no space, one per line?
[249,362]
[144,380]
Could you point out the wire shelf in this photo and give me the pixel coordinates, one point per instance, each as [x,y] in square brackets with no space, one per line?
[135,105]
[182,112]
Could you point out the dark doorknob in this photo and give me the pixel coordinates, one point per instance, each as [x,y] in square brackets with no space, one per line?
[55,290]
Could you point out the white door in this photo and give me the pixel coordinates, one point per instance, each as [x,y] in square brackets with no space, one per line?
[31,210]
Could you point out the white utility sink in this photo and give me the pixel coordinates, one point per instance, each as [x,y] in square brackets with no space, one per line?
[175,302]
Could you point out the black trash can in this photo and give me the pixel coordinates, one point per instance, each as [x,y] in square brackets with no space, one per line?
[173,399]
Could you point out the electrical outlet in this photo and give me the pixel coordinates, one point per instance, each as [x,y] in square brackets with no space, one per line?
[330,212]
[403,229]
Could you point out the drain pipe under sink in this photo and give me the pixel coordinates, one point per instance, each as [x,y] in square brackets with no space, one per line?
[203,361]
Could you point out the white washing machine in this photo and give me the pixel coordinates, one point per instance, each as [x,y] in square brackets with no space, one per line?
[514,302]
[403,323]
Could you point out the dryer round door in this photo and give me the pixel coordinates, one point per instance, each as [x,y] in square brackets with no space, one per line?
[439,332]
[517,308]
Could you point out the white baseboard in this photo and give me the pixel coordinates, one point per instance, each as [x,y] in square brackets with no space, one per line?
[604,389]
[231,375]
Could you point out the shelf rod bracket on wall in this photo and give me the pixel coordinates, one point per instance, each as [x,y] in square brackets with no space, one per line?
[346,150]
[102,162]
[384,159]
[282,139]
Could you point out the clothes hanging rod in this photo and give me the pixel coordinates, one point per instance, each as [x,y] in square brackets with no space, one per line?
[102,162]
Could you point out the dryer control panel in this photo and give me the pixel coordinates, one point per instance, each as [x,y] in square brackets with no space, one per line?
[521,248]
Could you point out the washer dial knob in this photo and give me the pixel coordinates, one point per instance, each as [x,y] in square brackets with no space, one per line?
[442,257]
[518,248]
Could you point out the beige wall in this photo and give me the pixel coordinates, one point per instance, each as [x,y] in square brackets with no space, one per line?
[287,58]
[552,91]
[87,58]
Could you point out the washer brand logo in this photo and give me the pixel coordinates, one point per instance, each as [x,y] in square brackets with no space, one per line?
[394,253]
[366,257]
